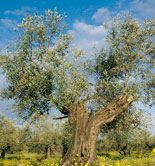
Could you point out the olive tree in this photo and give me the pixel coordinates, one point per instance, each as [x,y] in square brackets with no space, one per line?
[66,136]
[45,137]
[9,136]
[44,72]
[124,132]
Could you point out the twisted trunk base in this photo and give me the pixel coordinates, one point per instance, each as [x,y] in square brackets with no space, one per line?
[86,129]
[82,146]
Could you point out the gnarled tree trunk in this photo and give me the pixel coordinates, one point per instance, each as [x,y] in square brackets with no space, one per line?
[86,129]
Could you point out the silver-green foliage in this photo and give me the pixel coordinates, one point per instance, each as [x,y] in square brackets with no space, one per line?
[37,67]
[127,64]
[9,135]
[42,71]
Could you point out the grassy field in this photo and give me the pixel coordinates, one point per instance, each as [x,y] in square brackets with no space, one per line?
[104,159]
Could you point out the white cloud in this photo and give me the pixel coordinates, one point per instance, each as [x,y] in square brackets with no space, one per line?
[87,36]
[143,9]
[21,11]
[120,3]
[102,15]
[88,9]
[6,28]
[139,8]
[7,23]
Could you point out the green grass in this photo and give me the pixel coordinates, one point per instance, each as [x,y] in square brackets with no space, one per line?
[105,159]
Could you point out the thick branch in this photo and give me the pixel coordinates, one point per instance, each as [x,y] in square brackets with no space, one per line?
[120,104]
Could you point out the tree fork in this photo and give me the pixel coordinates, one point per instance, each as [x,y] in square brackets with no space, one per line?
[86,129]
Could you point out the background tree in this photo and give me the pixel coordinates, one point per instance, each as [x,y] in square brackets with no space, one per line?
[121,134]
[45,137]
[66,136]
[41,75]
[9,136]
[150,142]
[24,137]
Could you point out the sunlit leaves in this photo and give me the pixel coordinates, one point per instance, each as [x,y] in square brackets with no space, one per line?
[38,68]
[42,71]
[128,59]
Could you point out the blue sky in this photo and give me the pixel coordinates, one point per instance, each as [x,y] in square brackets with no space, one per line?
[85,19]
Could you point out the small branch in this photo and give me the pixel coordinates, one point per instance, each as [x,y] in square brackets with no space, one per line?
[63,110]
[63,117]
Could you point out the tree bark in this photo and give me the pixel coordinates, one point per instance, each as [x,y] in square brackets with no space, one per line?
[48,155]
[86,129]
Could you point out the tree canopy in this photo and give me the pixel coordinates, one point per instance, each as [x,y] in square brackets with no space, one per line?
[127,64]
[38,69]
[41,68]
